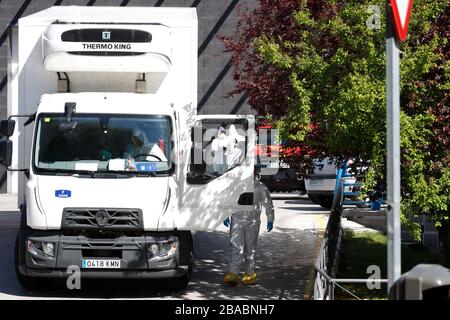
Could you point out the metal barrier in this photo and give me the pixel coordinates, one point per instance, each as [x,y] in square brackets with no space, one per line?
[327,262]
[328,259]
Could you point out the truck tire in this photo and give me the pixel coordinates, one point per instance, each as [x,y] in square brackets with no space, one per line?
[313,198]
[26,281]
[325,201]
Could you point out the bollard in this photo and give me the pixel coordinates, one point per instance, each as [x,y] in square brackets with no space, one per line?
[423,282]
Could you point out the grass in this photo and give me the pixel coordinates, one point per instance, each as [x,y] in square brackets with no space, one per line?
[363,249]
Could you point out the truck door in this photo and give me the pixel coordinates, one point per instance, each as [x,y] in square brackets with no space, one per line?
[219,175]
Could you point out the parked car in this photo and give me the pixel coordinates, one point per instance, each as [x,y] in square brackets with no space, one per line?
[320,183]
[272,158]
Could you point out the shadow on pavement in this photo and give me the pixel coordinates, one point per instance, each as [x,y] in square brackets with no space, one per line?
[284,262]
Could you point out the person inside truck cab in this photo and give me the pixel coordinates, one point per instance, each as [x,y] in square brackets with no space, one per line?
[141,149]
[235,148]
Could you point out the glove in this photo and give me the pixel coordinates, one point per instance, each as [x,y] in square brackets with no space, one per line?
[226,222]
[269,226]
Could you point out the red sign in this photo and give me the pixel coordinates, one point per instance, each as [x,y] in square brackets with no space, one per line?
[401,10]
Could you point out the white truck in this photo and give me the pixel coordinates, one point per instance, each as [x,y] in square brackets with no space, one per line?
[110,162]
[321,183]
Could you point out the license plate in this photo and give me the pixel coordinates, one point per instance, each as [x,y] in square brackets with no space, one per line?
[100,264]
[316,182]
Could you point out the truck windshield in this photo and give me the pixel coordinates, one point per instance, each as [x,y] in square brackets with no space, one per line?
[96,143]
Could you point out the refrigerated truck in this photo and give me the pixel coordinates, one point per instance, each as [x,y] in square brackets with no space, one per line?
[88,88]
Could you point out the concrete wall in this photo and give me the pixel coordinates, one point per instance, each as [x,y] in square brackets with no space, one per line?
[216,17]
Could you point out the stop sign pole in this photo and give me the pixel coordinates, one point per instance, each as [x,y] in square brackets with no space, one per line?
[397,14]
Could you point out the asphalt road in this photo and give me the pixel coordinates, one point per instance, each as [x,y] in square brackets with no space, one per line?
[285,261]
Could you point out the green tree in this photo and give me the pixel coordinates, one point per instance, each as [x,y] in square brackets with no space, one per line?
[332,65]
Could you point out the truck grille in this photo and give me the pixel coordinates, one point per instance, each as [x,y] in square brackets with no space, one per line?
[106,35]
[102,219]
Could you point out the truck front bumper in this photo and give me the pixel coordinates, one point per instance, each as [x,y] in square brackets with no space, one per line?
[105,274]
[136,261]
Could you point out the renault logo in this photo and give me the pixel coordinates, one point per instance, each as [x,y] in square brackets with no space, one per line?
[102,218]
[106,35]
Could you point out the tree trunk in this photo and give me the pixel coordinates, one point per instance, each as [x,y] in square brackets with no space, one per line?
[444,243]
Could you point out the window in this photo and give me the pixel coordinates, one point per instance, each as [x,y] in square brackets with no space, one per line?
[103,143]
[219,145]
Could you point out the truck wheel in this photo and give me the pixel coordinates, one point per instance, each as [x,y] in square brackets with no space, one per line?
[325,201]
[27,281]
[313,198]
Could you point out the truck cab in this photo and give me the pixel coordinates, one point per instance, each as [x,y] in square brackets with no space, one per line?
[95,193]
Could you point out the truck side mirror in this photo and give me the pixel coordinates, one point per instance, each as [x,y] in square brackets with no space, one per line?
[197,165]
[6,152]
[7,127]
[197,131]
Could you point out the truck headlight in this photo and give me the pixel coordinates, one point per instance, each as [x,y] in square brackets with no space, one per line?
[49,249]
[31,247]
[169,248]
[41,248]
[154,249]
[163,248]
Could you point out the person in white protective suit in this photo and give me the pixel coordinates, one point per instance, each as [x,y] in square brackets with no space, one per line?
[244,230]
[143,150]
[235,149]
[218,148]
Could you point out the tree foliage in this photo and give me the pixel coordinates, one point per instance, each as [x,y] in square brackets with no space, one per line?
[319,70]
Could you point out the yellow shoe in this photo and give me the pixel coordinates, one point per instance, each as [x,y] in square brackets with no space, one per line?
[231,278]
[249,278]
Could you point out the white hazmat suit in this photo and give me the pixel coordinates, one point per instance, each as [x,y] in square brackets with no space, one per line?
[244,229]
[235,148]
[147,150]
[218,147]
